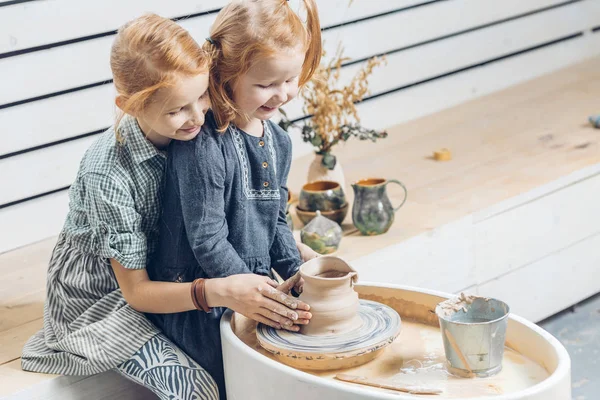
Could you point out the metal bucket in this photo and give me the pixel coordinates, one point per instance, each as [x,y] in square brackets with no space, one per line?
[474,333]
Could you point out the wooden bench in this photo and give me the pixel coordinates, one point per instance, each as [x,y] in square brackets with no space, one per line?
[513,215]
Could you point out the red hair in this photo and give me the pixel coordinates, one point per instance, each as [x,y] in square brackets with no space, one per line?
[247,30]
[150,53]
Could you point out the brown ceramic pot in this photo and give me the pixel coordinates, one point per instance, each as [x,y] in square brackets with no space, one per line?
[329,290]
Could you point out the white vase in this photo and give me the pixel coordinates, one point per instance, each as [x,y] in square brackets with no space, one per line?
[318,172]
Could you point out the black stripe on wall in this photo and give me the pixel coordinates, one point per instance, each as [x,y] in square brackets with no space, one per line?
[480,64]
[49,95]
[467,68]
[37,196]
[387,92]
[10,3]
[596,29]
[397,11]
[50,144]
[91,37]
[465,31]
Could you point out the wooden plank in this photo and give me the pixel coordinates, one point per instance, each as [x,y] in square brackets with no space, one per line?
[525,234]
[52,125]
[23,294]
[42,171]
[13,340]
[88,111]
[75,65]
[24,278]
[13,379]
[442,256]
[537,193]
[27,308]
[42,22]
[105,386]
[335,12]
[35,256]
[39,23]
[35,220]
[548,285]
[452,54]
[405,29]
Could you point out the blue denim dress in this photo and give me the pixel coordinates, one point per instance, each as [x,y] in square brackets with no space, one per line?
[224,207]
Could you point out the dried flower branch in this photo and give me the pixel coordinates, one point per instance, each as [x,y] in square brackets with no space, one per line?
[333,108]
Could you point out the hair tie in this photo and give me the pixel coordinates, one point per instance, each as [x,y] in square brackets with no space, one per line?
[211,41]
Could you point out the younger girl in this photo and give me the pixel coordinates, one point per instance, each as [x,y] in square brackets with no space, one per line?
[225,193]
[97,283]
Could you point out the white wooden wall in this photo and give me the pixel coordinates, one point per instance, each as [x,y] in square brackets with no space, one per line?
[56,94]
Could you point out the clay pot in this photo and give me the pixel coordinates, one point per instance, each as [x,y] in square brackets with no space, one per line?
[321,196]
[329,290]
[337,216]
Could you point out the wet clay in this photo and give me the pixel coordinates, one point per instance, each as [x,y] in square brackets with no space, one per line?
[332,274]
[453,305]
[329,290]
[417,359]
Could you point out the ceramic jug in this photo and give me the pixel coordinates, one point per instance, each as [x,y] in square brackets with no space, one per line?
[372,213]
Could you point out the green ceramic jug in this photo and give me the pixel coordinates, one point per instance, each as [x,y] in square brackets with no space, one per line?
[372,212]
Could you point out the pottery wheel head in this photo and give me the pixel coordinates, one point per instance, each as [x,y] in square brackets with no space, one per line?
[329,267]
[380,327]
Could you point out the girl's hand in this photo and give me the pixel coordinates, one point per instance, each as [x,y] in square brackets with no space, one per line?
[306,253]
[296,282]
[256,297]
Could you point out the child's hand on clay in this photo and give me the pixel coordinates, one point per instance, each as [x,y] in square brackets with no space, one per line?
[306,253]
[296,282]
[257,297]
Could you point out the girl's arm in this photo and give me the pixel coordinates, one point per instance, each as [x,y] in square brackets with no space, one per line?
[251,295]
[306,253]
[148,296]
[117,226]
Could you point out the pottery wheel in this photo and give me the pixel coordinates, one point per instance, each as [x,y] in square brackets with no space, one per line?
[380,326]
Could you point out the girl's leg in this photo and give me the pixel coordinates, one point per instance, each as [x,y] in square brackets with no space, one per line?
[166,370]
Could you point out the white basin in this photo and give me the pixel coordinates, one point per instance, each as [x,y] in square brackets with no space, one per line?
[251,374]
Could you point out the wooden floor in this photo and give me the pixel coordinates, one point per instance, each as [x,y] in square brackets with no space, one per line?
[503,145]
